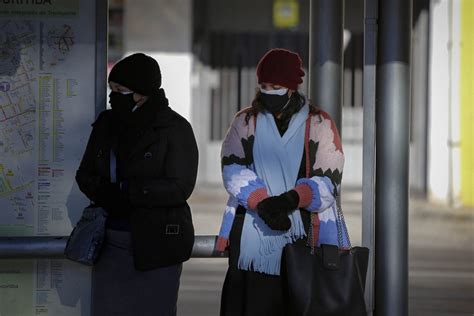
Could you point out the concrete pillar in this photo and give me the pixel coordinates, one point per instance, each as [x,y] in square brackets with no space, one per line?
[444,76]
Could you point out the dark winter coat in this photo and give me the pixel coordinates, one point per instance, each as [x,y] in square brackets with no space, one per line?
[160,170]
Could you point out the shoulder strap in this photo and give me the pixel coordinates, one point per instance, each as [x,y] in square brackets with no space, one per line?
[315,223]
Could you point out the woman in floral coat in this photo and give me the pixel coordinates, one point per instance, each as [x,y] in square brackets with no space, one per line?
[282,164]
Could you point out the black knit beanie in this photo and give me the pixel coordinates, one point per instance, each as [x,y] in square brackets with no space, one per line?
[138,72]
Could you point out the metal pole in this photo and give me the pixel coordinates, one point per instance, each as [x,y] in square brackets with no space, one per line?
[326,56]
[239,82]
[393,117]
[53,247]
[368,184]
[32,247]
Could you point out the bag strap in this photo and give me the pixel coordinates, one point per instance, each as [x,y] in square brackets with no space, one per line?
[313,237]
[341,226]
[306,146]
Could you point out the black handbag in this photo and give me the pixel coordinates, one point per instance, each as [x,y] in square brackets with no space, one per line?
[86,239]
[326,280]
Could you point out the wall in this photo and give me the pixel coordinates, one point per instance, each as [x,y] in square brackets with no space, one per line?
[163,29]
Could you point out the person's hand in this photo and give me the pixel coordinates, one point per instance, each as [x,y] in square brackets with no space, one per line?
[108,190]
[114,195]
[279,221]
[124,187]
[274,210]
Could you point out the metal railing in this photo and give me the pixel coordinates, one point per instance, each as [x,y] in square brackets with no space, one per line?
[53,247]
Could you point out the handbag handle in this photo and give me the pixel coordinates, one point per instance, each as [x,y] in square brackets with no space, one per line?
[340,221]
[341,225]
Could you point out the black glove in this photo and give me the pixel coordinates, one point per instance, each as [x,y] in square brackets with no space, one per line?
[274,210]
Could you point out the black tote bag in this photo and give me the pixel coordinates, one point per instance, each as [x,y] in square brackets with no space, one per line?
[86,239]
[326,280]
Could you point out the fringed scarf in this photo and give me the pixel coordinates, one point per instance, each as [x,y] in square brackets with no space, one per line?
[276,161]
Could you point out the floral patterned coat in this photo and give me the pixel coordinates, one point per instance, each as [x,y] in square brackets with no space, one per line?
[324,163]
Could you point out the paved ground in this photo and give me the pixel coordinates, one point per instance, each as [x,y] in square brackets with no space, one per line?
[441,261]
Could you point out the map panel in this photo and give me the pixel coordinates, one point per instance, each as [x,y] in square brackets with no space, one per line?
[47,103]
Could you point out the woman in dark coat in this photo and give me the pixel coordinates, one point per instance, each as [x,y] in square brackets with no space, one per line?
[282,164]
[140,164]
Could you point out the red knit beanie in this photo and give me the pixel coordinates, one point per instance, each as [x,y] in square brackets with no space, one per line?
[282,67]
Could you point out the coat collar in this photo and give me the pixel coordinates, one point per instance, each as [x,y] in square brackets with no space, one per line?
[164,118]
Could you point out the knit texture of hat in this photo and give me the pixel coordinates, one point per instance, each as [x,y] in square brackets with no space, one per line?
[138,72]
[281,67]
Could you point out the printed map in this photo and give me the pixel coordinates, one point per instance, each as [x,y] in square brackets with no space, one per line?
[18,81]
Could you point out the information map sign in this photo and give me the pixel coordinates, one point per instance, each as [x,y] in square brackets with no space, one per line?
[48,84]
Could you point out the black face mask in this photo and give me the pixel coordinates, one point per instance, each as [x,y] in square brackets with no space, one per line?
[121,104]
[274,103]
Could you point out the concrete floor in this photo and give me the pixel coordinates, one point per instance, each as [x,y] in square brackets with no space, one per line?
[441,256]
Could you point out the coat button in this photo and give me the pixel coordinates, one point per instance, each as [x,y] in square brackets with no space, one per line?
[148,155]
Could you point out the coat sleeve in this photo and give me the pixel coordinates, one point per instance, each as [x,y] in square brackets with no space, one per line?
[85,177]
[240,181]
[328,164]
[97,188]
[181,165]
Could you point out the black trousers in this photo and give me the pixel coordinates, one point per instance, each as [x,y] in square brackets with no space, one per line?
[120,290]
[247,293]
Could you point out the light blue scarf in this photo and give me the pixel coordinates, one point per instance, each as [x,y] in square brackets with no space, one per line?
[277,161]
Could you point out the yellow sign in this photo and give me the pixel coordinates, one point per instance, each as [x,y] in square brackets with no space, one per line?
[285,13]
[467,96]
